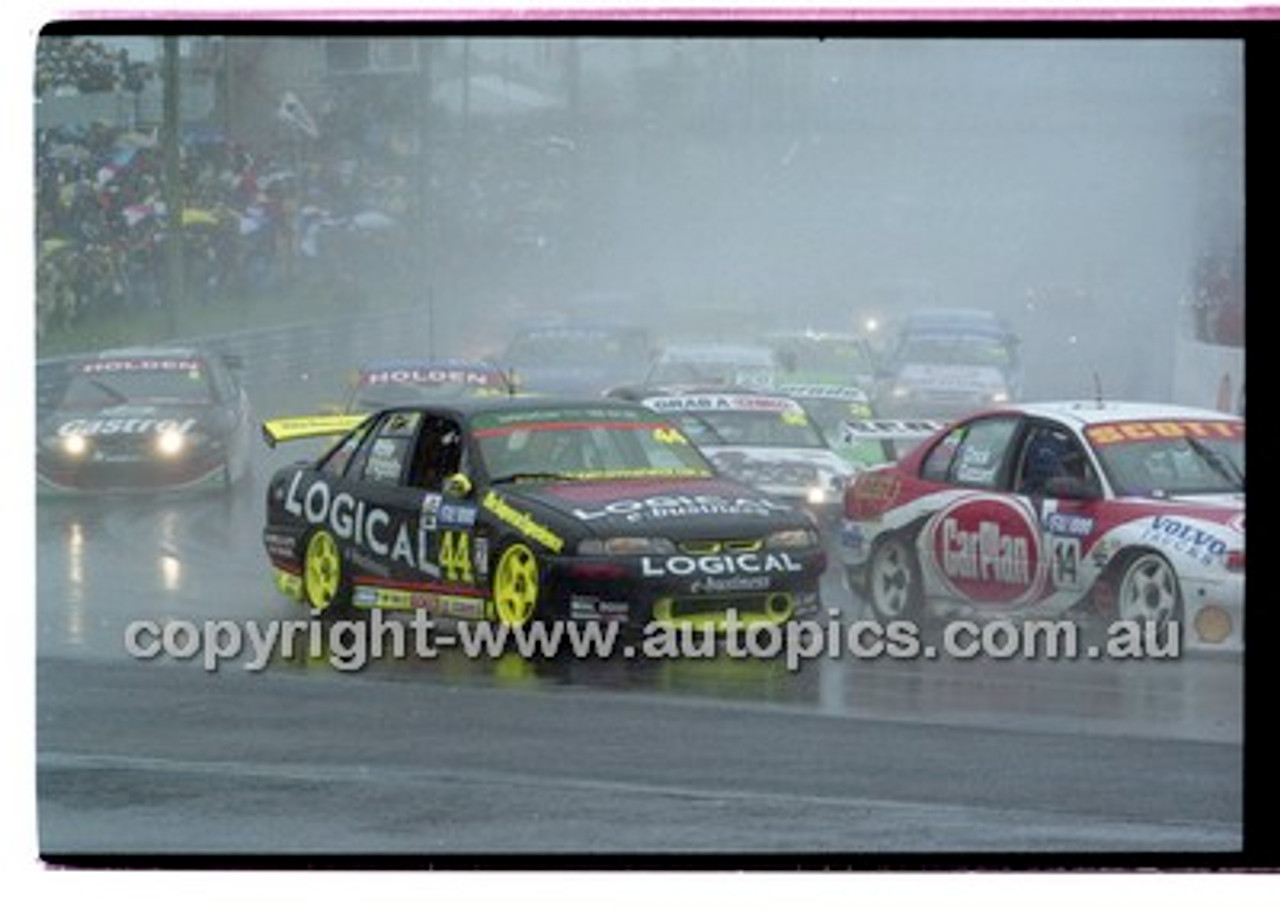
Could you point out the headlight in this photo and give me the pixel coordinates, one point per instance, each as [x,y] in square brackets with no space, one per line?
[900,391]
[999,398]
[627,545]
[818,495]
[792,538]
[75,444]
[171,442]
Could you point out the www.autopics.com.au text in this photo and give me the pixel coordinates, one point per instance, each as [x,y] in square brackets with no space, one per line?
[350,645]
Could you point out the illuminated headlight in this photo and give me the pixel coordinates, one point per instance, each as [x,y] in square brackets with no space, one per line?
[871,324]
[999,398]
[816,495]
[75,444]
[171,442]
[900,391]
[627,545]
[792,538]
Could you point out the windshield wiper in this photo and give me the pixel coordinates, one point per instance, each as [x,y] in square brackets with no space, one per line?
[546,476]
[1221,463]
[116,394]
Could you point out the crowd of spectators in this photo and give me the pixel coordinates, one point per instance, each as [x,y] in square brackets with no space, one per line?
[333,212]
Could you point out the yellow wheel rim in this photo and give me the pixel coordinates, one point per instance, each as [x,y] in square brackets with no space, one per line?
[322,570]
[515,586]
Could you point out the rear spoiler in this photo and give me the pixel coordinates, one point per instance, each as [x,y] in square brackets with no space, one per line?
[889,430]
[281,430]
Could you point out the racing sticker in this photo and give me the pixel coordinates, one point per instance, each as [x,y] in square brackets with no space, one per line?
[1186,537]
[1129,431]
[986,550]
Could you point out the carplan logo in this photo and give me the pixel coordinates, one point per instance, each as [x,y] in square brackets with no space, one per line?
[987,551]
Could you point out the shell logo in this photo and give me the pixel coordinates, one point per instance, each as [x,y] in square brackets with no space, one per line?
[986,551]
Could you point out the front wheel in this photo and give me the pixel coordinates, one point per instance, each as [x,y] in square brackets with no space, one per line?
[893,581]
[517,586]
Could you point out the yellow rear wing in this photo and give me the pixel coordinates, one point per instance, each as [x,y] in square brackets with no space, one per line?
[281,430]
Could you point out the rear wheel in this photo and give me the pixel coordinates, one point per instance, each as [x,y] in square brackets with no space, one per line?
[324,584]
[517,586]
[893,581]
[1147,590]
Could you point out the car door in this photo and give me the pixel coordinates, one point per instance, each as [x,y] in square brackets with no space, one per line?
[382,510]
[1057,478]
[447,517]
[980,545]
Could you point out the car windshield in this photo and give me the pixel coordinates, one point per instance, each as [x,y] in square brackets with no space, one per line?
[91,389]
[584,443]
[1186,458]
[742,420]
[972,350]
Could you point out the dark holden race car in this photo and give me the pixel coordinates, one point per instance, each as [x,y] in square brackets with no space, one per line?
[1129,511]
[535,508]
[387,383]
[150,419]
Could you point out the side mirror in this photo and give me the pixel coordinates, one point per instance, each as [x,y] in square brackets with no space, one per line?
[457,485]
[1071,488]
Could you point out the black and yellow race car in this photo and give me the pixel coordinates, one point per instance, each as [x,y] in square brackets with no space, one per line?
[518,510]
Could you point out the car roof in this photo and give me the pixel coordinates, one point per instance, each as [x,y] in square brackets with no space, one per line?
[470,406]
[1083,412]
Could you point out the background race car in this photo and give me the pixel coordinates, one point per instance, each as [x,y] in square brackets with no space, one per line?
[576,357]
[714,364]
[761,438]
[1129,512]
[144,420]
[524,510]
[386,384]
[832,408]
[949,362]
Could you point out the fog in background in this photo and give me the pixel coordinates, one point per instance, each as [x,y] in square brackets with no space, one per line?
[732,187]
[812,182]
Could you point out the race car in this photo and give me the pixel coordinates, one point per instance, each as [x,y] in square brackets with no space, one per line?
[762,438]
[143,419]
[387,383]
[824,357]
[947,363]
[519,510]
[832,408]
[1125,511]
[576,357]
[714,364]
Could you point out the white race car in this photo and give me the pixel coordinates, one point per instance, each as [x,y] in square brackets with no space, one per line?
[763,439]
[1124,510]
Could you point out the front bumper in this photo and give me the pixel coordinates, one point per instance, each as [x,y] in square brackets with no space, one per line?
[683,590]
[136,476]
[1213,612]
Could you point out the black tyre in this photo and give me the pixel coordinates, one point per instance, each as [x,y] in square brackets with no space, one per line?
[893,587]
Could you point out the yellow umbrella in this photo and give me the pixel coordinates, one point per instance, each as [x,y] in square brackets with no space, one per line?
[195,217]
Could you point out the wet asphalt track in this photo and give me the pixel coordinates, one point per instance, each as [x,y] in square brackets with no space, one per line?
[450,757]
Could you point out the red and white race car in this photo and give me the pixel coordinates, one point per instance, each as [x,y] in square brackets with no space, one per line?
[1126,510]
